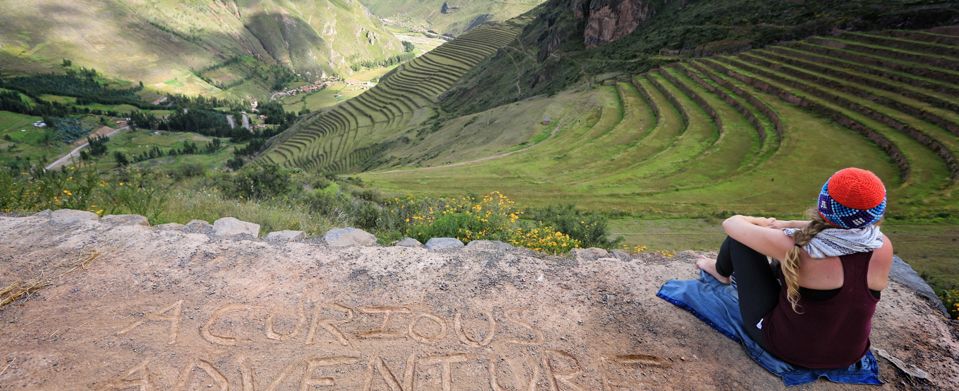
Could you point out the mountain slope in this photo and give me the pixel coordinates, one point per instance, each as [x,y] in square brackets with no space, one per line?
[170,45]
[573,40]
[454,19]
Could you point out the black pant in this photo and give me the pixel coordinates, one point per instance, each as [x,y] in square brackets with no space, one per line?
[755,281]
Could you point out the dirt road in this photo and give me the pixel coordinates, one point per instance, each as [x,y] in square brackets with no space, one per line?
[75,153]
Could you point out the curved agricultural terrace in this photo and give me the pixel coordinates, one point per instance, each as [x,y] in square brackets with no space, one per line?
[742,133]
[346,137]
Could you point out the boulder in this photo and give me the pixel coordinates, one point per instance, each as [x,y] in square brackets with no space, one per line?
[904,274]
[171,227]
[231,226]
[489,245]
[409,242]
[345,237]
[199,226]
[590,254]
[125,220]
[444,244]
[70,216]
[285,236]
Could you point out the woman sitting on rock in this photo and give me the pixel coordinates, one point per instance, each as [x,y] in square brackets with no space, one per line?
[815,308]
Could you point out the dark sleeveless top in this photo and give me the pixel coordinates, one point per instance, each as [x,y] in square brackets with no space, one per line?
[830,333]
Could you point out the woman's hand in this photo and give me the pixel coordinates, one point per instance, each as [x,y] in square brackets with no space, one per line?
[761,221]
[781,224]
[759,233]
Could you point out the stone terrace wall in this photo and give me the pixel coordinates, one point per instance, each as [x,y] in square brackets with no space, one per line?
[122,305]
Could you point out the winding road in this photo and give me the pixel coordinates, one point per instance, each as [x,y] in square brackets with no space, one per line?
[75,153]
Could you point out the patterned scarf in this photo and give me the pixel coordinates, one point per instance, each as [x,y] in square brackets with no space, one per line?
[834,242]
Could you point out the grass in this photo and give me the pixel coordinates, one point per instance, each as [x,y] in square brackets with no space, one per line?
[26,141]
[135,142]
[186,203]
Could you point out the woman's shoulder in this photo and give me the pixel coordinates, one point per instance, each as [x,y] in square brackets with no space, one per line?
[885,251]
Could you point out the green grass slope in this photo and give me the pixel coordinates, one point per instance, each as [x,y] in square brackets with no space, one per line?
[193,47]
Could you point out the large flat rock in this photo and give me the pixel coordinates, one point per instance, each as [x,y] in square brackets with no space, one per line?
[133,307]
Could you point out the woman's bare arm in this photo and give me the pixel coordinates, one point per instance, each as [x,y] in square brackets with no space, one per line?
[759,234]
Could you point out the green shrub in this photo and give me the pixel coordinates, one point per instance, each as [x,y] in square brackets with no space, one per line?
[258,182]
[950,297]
[135,192]
[588,228]
[543,239]
[37,189]
[188,170]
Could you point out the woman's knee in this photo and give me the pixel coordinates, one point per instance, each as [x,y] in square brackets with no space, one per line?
[737,247]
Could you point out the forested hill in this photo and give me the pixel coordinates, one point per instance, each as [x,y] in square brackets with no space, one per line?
[572,40]
[180,46]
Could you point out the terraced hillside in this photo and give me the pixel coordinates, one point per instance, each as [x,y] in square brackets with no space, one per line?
[346,137]
[742,133]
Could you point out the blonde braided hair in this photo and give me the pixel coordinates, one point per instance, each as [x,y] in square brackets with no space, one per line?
[790,265]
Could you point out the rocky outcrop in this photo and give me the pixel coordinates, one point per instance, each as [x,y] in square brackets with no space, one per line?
[610,20]
[129,306]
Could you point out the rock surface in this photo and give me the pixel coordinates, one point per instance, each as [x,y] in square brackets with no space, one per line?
[409,242]
[231,226]
[904,274]
[489,245]
[199,226]
[444,244]
[151,309]
[172,227]
[590,254]
[346,237]
[70,216]
[285,236]
[125,220]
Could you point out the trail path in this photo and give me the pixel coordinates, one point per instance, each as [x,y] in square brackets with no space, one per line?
[75,153]
[121,305]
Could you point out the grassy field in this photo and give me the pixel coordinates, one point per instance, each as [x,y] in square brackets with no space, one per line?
[132,143]
[19,139]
